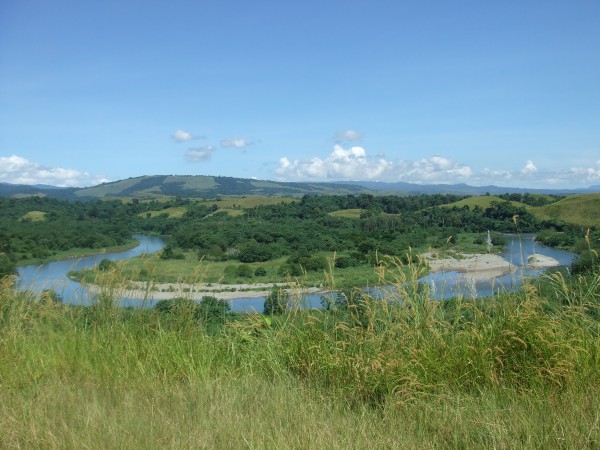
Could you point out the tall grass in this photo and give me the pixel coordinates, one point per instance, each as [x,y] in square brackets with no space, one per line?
[518,370]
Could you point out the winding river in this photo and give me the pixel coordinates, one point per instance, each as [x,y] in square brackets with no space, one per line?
[54,275]
[446,284]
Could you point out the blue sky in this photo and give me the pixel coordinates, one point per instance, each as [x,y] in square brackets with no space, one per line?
[475,92]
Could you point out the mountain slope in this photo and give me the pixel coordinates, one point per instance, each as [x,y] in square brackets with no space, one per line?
[201,186]
[581,209]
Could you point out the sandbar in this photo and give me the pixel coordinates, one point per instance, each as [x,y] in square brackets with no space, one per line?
[167,291]
[484,266]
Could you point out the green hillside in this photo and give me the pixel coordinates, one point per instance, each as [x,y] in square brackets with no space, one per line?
[200,186]
[581,209]
[483,201]
[34,216]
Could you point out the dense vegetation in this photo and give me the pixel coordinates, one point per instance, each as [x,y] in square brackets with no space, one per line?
[515,371]
[356,227]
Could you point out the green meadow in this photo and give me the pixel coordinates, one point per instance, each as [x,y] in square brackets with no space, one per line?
[518,370]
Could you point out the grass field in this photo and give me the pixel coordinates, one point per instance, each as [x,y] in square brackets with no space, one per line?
[581,209]
[172,212]
[193,270]
[483,201]
[347,213]
[233,206]
[79,252]
[516,371]
[34,216]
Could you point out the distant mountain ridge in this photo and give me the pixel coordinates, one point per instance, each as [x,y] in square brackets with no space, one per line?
[203,186]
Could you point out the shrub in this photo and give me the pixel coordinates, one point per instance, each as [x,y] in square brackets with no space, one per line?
[277,302]
[106,264]
[587,262]
[244,271]
[212,310]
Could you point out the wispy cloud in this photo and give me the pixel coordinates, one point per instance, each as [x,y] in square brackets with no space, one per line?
[347,135]
[199,154]
[354,164]
[17,170]
[236,142]
[184,136]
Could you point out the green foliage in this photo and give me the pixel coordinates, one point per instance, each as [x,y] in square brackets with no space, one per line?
[586,262]
[169,253]
[7,266]
[239,271]
[213,311]
[260,272]
[209,311]
[252,251]
[276,303]
[513,371]
[106,264]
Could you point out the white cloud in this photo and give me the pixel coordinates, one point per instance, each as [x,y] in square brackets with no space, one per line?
[588,173]
[17,170]
[354,164]
[529,168]
[496,174]
[348,135]
[195,155]
[236,142]
[183,136]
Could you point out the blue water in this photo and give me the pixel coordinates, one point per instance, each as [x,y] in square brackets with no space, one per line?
[443,284]
[54,275]
[518,250]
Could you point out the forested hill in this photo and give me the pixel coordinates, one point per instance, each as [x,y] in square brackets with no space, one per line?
[198,186]
[209,187]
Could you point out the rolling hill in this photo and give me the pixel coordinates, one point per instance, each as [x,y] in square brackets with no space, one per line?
[581,209]
[209,187]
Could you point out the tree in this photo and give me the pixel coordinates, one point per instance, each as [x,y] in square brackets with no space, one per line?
[586,262]
[106,264]
[7,266]
[277,302]
[212,310]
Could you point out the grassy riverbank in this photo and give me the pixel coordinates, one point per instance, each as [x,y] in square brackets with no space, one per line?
[75,253]
[516,371]
[191,270]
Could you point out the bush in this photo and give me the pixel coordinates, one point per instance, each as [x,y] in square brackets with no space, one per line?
[254,252]
[277,302]
[212,310]
[239,270]
[169,253]
[343,261]
[260,272]
[106,264]
[587,262]
[291,269]
[244,271]
[7,266]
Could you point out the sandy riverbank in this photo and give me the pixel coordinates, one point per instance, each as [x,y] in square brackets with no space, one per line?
[475,266]
[482,266]
[166,291]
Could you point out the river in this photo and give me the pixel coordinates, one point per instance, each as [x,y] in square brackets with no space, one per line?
[517,252]
[37,277]
[445,284]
